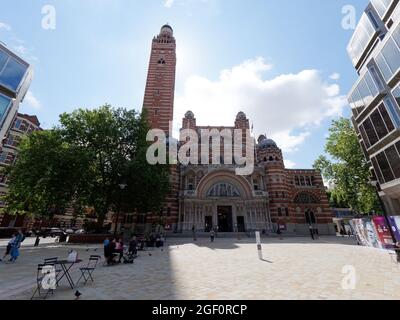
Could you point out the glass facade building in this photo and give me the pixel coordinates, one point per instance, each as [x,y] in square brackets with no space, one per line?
[374,50]
[15,79]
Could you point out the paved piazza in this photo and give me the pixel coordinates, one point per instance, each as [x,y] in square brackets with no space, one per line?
[294,268]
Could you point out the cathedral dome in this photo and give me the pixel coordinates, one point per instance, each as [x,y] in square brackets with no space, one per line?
[167,29]
[189,115]
[241,116]
[264,143]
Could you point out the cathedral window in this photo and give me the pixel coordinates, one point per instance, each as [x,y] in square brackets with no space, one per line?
[161,61]
[305,198]
[223,190]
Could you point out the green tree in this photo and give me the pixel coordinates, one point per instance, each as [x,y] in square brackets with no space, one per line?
[45,176]
[348,170]
[83,162]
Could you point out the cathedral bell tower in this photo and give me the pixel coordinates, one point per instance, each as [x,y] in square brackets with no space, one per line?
[160,85]
[159,106]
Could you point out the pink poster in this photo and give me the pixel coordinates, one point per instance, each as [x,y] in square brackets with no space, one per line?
[383,232]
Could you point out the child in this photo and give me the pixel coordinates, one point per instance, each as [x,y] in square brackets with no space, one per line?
[9,246]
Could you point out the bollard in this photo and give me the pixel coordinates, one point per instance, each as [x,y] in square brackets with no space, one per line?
[259,247]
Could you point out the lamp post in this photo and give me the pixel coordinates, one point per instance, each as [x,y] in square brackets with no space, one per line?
[122,186]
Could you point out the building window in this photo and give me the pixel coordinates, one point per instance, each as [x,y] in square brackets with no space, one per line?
[12,74]
[389,59]
[305,198]
[370,131]
[385,167]
[379,125]
[287,212]
[279,212]
[3,156]
[394,160]
[4,104]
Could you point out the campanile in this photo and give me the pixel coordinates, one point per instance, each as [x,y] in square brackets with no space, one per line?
[160,85]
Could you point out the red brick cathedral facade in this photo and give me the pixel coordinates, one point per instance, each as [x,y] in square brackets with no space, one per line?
[214,196]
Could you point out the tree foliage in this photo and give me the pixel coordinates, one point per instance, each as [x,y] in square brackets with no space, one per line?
[83,161]
[348,170]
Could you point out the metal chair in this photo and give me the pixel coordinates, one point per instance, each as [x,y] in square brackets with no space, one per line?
[86,272]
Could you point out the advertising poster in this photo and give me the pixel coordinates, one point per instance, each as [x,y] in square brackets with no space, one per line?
[383,232]
[365,232]
[373,239]
[358,229]
[395,227]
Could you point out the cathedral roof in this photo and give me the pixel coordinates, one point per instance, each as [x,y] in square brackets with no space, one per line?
[264,143]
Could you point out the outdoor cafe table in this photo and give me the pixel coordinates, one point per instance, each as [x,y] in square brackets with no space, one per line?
[66,267]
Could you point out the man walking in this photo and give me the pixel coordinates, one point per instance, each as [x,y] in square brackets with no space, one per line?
[212,235]
[312,232]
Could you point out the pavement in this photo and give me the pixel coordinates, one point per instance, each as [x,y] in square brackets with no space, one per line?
[330,268]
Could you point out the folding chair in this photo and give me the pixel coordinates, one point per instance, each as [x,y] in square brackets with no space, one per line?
[52,262]
[39,278]
[89,269]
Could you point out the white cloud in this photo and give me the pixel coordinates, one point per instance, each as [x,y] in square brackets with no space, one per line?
[5,26]
[289,164]
[286,107]
[335,76]
[169,3]
[32,101]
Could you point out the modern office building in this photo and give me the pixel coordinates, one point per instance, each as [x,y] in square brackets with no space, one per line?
[374,50]
[15,78]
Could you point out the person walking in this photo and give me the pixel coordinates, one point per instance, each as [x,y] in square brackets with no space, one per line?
[9,246]
[212,235]
[20,237]
[312,232]
[279,233]
[194,233]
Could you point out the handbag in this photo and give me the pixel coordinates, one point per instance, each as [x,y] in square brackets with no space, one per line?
[72,256]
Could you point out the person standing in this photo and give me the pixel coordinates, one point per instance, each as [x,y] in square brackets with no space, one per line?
[212,235]
[194,233]
[106,245]
[119,248]
[133,247]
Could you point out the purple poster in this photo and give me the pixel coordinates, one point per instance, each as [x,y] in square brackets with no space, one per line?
[383,232]
[395,225]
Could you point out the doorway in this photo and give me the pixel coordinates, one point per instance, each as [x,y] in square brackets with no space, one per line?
[209,223]
[225,219]
[240,224]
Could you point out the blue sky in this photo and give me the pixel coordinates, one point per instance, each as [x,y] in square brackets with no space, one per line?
[272,59]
